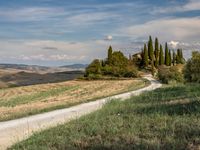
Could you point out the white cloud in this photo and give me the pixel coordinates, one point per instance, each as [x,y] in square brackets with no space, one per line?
[55,52]
[178,29]
[90,18]
[173,44]
[191,5]
[29,13]
[109,37]
[57,57]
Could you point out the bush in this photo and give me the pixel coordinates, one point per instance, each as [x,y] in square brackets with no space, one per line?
[192,68]
[93,68]
[93,77]
[131,72]
[117,66]
[170,74]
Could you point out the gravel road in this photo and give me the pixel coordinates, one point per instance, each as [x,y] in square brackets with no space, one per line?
[17,130]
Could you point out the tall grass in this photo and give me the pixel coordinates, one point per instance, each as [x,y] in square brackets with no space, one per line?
[168,118]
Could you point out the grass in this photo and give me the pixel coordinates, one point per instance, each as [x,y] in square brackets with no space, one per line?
[167,118]
[12,102]
[24,101]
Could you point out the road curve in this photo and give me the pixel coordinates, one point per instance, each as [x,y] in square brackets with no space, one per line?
[17,130]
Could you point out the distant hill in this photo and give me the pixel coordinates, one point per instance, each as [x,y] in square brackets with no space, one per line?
[23,67]
[41,69]
[20,74]
[75,66]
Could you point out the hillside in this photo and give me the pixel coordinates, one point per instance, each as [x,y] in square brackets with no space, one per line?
[28,100]
[41,69]
[21,75]
[167,118]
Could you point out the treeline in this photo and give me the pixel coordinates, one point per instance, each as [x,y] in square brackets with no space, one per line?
[153,54]
[151,57]
[115,65]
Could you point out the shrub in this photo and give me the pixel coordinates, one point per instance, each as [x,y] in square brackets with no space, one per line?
[192,68]
[93,68]
[131,72]
[94,76]
[170,74]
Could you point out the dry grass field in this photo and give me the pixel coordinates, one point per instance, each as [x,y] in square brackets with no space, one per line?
[27,100]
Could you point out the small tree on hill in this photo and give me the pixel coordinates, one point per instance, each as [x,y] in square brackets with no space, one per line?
[161,57]
[94,68]
[110,51]
[192,69]
[156,52]
[150,48]
[179,58]
[146,57]
[166,55]
[170,58]
[174,58]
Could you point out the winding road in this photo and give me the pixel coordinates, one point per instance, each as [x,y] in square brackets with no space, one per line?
[17,130]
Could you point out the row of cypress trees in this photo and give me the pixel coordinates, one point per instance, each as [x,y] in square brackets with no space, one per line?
[154,55]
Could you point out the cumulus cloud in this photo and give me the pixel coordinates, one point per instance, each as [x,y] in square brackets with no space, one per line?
[191,5]
[53,52]
[57,57]
[178,29]
[90,18]
[29,13]
[173,44]
[109,37]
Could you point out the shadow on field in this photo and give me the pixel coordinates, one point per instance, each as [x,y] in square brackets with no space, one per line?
[192,107]
[26,78]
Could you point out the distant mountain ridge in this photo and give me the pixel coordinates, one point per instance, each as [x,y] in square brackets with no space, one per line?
[37,68]
[75,66]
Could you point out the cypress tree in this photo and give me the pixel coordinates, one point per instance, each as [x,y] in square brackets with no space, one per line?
[161,57]
[156,52]
[174,58]
[150,48]
[152,67]
[166,55]
[146,57]
[178,57]
[110,51]
[181,56]
[170,58]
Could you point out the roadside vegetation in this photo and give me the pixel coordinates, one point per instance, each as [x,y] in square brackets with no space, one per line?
[167,118]
[24,101]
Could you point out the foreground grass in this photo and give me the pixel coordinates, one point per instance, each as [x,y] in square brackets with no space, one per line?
[25,101]
[168,118]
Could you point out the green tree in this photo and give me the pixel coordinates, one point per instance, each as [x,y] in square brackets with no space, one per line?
[170,58]
[178,57]
[156,52]
[192,69]
[174,58]
[146,57]
[110,51]
[161,57]
[152,67]
[166,55]
[93,68]
[150,48]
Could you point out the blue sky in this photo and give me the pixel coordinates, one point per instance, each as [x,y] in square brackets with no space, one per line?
[59,32]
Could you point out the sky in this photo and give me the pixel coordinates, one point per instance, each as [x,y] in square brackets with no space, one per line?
[62,32]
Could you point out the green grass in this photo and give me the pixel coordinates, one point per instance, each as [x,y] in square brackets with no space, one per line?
[149,121]
[35,97]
